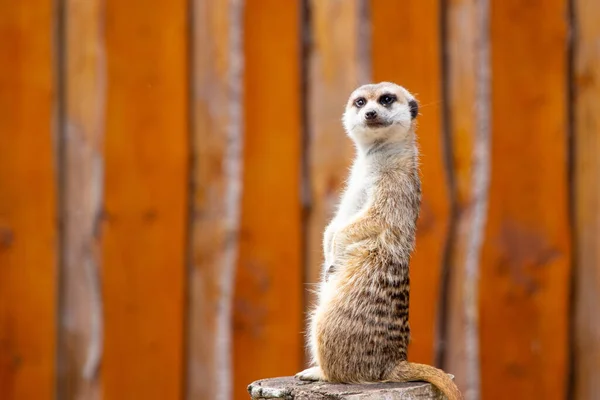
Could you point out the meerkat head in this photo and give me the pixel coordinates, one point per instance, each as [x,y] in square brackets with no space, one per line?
[380,112]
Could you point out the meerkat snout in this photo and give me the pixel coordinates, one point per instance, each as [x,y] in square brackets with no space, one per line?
[370,114]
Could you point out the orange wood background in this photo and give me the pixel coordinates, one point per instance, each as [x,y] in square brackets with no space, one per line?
[28,202]
[526,255]
[215,131]
[167,169]
[82,167]
[268,290]
[143,229]
[586,340]
[467,123]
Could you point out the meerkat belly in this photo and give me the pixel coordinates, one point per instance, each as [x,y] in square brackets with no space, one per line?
[362,330]
[352,204]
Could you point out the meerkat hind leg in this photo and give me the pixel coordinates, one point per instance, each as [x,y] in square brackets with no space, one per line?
[311,374]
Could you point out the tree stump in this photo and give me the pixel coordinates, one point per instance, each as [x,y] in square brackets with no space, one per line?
[290,388]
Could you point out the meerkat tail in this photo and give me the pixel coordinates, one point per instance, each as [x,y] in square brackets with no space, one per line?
[408,371]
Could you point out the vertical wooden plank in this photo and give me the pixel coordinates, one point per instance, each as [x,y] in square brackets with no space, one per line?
[587,200]
[335,70]
[411,57]
[144,232]
[268,298]
[217,141]
[468,108]
[524,286]
[81,312]
[28,229]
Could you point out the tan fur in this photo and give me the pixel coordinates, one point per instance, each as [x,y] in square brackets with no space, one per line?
[359,330]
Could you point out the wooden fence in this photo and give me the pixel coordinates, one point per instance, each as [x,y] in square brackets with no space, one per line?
[167,169]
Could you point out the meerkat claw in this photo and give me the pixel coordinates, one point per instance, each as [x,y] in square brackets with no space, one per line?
[311,374]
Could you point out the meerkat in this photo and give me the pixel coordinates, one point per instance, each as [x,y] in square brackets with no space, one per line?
[359,331]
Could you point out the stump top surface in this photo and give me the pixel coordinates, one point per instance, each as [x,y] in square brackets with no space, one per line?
[291,388]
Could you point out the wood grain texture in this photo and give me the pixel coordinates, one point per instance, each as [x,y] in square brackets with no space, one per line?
[82,175]
[411,57]
[216,202]
[525,270]
[290,388]
[462,84]
[268,295]
[587,200]
[468,105]
[335,69]
[144,229]
[28,198]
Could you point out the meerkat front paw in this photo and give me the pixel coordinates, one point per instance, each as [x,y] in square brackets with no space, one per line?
[311,374]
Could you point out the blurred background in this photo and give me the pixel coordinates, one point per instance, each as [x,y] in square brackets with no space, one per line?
[167,169]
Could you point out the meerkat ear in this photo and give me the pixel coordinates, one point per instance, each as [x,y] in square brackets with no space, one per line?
[414,108]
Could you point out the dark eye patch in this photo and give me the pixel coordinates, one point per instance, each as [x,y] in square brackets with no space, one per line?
[414,108]
[387,98]
[360,102]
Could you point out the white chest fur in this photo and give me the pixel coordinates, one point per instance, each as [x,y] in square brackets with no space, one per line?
[352,202]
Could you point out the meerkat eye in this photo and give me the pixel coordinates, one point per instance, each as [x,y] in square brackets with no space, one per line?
[360,102]
[387,99]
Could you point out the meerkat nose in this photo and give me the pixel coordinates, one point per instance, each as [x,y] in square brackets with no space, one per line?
[370,114]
